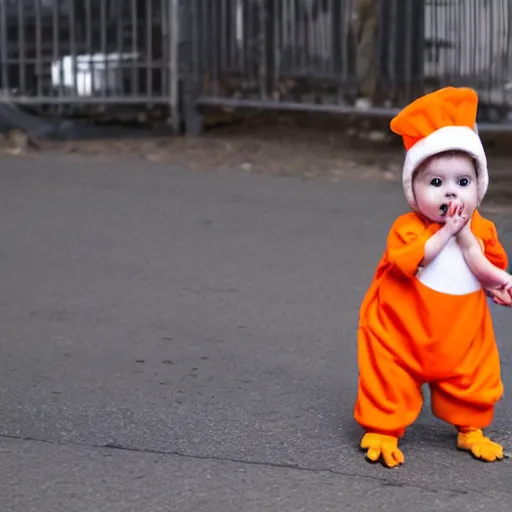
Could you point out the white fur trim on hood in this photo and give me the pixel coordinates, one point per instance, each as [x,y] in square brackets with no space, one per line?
[459,138]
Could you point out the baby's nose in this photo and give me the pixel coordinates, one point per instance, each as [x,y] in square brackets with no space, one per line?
[450,194]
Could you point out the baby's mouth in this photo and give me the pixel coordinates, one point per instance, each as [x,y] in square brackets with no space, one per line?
[444,209]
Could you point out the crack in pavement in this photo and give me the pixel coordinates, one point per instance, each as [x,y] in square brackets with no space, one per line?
[381,480]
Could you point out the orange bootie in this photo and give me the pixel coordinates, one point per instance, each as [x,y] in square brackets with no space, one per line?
[385,446]
[474,441]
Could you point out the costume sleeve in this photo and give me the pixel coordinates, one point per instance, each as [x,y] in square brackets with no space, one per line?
[493,249]
[406,244]
[487,235]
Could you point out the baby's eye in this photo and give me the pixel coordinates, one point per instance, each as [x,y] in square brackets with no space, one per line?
[464,182]
[436,182]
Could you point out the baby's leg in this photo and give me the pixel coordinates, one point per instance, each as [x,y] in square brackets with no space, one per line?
[468,400]
[469,420]
[388,400]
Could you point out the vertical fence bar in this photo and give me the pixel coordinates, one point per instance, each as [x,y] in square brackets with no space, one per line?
[277,36]
[105,69]
[508,46]
[489,36]
[409,41]
[135,47]
[303,27]
[240,35]
[311,44]
[262,49]
[192,21]
[56,52]
[190,69]
[435,24]
[174,72]
[149,47]
[201,43]
[462,18]
[269,53]
[497,47]
[88,43]
[474,46]
[505,15]
[223,35]
[328,36]
[393,47]
[88,36]
[315,42]
[495,77]
[336,46]
[212,18]
[39,54]
[343,45]
[72,44]
[282,66]
[480,43]
[120,46]
[455,15]
[234,34]
[164,65]
[447,15]
[21,47]
[249,22]
[4,50]
[293,34]
[420,52]
[479,16]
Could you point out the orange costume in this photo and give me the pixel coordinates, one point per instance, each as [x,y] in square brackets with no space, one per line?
[430,325]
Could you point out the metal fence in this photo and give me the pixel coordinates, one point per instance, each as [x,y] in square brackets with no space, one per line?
[56,54]
[344,56]
[349,56]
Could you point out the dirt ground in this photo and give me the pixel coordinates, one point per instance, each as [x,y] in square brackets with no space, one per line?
[308,147]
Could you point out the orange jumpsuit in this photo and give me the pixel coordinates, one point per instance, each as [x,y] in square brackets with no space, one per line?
[413,331]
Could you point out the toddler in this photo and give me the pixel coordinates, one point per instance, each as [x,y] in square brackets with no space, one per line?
[425,318]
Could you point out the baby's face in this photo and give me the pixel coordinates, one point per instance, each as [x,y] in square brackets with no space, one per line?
[444,179]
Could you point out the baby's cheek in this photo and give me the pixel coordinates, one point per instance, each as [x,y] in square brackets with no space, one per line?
[431,197]
[471,198]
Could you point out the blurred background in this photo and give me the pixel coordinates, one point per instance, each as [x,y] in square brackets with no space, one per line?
[165,61]
[321,78]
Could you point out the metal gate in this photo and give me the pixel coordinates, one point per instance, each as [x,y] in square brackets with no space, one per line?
[58,55]
[315,55]
[347,56]
[175,56]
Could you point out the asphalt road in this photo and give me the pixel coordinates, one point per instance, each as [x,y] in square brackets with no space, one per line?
[179,341]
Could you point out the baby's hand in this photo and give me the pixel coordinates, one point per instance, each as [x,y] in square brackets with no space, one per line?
[502,294]
[501,297]
[456,218]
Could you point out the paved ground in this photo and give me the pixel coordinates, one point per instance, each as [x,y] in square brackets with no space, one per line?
[184,341]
